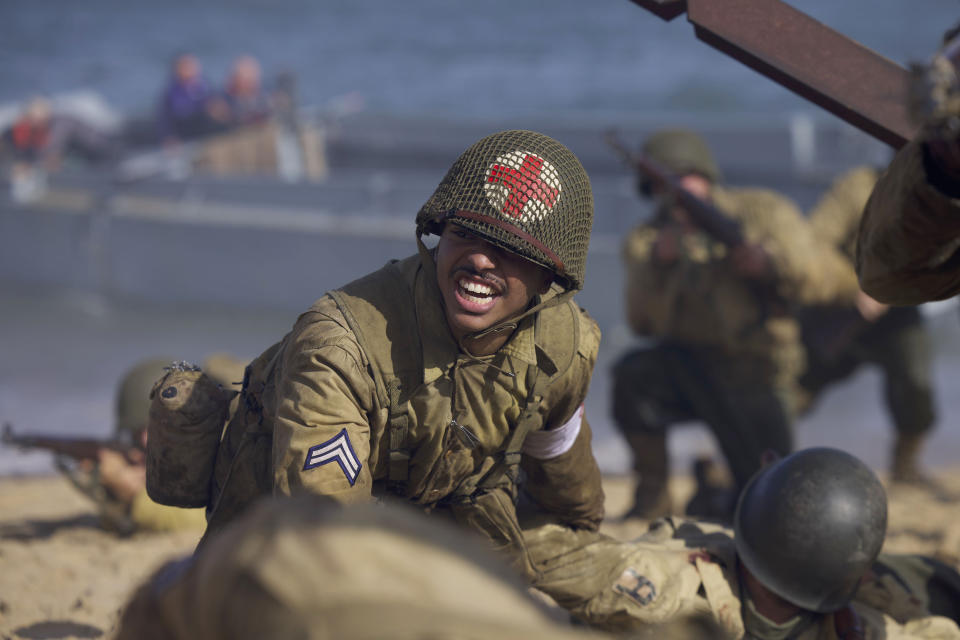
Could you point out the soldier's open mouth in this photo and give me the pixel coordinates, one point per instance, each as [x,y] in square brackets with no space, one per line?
[476,295]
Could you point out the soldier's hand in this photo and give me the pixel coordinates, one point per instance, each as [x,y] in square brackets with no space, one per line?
[752,261]
[123,478]
[666,248]
[870,309]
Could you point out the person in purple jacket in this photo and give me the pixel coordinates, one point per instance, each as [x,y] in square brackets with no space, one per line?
[184,105]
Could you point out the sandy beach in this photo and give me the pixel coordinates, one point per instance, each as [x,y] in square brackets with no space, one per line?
[61,576]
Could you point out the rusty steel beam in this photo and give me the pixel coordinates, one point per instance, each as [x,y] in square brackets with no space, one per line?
[822,65]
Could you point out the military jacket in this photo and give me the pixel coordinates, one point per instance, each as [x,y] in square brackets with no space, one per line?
[700,300]
[312,417]
[836,217]
[910,235]
[891,601]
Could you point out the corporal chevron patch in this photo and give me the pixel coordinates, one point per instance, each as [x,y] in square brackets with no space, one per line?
[337,449]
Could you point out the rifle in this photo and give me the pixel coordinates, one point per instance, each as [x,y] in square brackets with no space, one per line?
[76,448]
[113,513]
[704,215]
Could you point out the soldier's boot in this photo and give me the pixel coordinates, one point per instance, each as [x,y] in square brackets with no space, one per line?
[905,467]
[651,499]
[715,497]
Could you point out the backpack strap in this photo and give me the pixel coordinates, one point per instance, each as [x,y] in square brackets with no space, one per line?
[539,378]
[381,304]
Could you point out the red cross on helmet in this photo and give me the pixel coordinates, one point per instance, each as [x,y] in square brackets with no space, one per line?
[522,191]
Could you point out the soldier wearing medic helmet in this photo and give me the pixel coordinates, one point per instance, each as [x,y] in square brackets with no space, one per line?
[453,379]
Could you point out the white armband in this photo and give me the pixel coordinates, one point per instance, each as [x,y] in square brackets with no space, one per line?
[544,444]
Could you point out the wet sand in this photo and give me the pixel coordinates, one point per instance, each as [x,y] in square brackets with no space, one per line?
[61,576]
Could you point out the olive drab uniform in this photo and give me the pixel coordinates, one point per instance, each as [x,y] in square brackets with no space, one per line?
[728,350]
[897,341]
[302,568]
[148,515]
[684,567]
[434,433]
[910,233]
[370,395]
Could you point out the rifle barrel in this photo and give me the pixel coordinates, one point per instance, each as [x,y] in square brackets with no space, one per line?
[705,216]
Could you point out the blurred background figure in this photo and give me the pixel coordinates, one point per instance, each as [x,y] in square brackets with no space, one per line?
[117,481]
[725,348]
[860,330]
[303,568]
[114,475]
[42,139]
[183,111]
[242,101]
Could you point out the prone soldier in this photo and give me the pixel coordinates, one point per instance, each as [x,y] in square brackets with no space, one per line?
[866,331]
[727,347]
[803,561]
[116,481]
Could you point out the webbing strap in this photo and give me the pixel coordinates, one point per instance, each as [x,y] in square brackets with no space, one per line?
[529,420]
[367,305]
[398,471]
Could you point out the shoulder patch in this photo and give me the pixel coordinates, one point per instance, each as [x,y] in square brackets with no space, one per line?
[636,587]
[337,449]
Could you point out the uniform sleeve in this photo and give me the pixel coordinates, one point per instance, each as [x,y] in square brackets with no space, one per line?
[562,473]
[908,249]
[807,271]
[323,399]
[150,516]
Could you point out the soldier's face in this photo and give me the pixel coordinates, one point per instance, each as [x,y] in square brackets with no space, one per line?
[481,283]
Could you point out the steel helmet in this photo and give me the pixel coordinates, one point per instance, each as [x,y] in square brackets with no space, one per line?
[524,192]
[133,394]
[810,525]
[679,151]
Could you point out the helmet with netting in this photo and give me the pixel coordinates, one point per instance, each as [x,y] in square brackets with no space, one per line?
[681,152]
[133,394]
[522,191]
[809,526]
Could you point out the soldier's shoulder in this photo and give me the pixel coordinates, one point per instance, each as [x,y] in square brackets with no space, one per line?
[589,333]
[323,328]
[326,320]
[754,200]
[568,328]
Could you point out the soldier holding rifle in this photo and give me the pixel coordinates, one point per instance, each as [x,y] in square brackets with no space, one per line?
[713,280]
[112,472]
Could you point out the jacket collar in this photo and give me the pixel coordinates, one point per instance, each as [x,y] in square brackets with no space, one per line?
[440,350]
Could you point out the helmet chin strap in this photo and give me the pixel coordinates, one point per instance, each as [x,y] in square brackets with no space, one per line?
[550,299]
